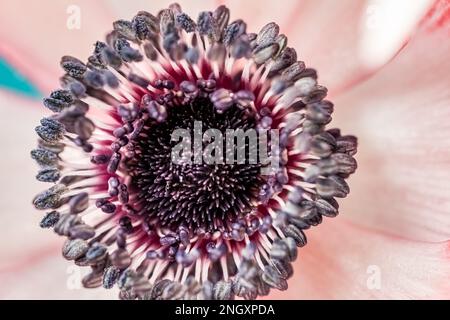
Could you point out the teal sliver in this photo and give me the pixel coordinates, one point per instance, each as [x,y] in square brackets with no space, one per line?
[12,80]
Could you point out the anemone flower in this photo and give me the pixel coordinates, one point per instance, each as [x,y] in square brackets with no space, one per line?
[145,227]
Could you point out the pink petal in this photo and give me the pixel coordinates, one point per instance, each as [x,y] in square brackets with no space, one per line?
[327,35]
[257,14]
[24,243]
[34,35]
[50,278]
[126,10]
[342,261]
[31,265]
[18,117]
[386,28]
[401,118]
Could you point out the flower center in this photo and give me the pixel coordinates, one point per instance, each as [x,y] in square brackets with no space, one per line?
[197,195]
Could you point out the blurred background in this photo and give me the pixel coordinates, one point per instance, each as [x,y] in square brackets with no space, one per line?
[386,66]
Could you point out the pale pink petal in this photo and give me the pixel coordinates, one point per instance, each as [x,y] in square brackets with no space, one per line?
[126,10]
[257,14]
[327,35]
[401,118]
[386,28]
[342,261]
[50,278]
[18,117]
[31,265]
[35,35]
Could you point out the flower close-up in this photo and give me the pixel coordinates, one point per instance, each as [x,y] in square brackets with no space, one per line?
[222,150]
[191,228]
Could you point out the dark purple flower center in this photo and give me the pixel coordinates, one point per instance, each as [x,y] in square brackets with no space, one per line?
[199,196]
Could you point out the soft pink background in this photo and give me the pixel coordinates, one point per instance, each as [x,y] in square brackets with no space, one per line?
[388,72]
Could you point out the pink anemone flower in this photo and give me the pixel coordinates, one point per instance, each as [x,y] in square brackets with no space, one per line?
[385,68]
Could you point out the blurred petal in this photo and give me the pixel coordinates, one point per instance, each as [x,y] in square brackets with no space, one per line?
[386,27]
[401,118]
[31,266]
[50,278]
[342,261]
[257,14]
[18,117]
[327,34]
[35,35]
[126,10]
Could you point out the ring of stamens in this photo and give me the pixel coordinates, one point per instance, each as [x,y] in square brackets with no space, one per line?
[161,230]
